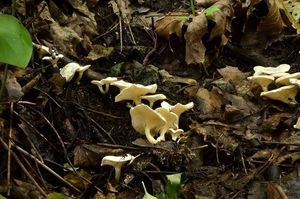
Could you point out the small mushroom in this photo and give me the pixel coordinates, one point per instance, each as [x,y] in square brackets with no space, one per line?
[153,98]
[134,92]
[178,108]
[146,121]
[263,80]
[117,162]
[285,94]
[69,70]
[104,82]
[171,122]
[175,133]
[285,80]
[277,75]
[53,59]
[261,70]
[297,125]
[121,84]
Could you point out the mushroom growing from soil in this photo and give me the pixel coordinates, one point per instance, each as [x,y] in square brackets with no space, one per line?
[175,133]
[261,70]
[285,94]
[117,162]
[121,84]
[69,70]
[178,108]
[134,92]
[285,80]
[153,98]
[171,122]
[53,59]
[146,121]
[263,80]
[104,83]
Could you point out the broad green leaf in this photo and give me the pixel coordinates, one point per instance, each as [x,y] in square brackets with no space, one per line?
[147,195]
[55,195]
[15,42]
[2,197]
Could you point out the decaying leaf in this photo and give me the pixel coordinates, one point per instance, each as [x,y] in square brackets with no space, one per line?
[170,25]
[13,87]
[210,101]
[195,49]
[122,9]
[291,10]
[275,191]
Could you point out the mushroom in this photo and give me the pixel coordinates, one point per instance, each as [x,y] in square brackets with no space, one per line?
[175,133]
[171,122]
[277,75]
[134,92]
[121,84]
[285,80]
[295,82]
[285,94]
[104,82]
[261,70]
[69,70]
[53,59]
[263,80]
[297,125]
[153,98]
[117,162]
[178,108]
[146,121]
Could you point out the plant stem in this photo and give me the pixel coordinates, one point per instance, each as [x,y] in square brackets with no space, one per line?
[3,82]
[13,8]
[193,7]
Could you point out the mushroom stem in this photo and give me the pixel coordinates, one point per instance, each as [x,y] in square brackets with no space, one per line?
[149,137]
[101,90]
[106,88]
[117,173]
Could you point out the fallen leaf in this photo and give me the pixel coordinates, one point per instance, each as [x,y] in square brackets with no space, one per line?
[168,25]
[195,49]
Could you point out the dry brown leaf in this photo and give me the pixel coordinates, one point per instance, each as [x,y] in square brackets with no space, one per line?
[272,22]
[170,25]
[122,9]
[13,87]
[210,101]
[205,3]
[275,191]
[195,49]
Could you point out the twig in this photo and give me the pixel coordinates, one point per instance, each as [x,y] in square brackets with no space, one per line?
[9,149]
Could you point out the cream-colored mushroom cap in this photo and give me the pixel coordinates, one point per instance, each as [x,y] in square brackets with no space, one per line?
[297,125]
[285,94]
[175,133]
[178,108]
[104,82]
[117,162]
[277,75]
[53,59]
[153,98]
[171,122]
[285,80]
[69,70]
[134,92]
[295,82]
[146,121]
[263,80]
[261,70]
[121,84]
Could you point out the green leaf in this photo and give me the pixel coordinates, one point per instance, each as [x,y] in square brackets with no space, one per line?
[209,12]
[2,197]
[15,42]
[55,195]
[296,12]
[147,195]
[173,185]
[182,18]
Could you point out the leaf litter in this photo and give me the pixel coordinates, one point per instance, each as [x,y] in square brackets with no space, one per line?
[236,143]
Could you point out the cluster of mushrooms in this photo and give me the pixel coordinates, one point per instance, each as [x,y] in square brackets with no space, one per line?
[144,118]
[287,85]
